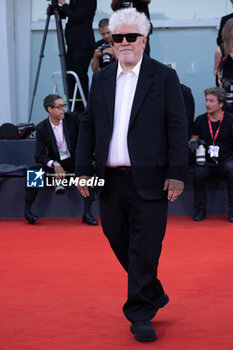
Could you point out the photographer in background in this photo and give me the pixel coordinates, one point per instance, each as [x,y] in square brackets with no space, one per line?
[141,6]
[213,140]
[104,50]
[79,39]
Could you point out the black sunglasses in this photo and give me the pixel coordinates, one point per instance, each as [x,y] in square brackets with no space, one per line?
[130,37]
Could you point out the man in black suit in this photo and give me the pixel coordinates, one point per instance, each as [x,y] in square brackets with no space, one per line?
[224,19]
[135,124]
[79,38]
[56,139]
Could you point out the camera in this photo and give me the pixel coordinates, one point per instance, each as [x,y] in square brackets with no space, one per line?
[10,131]
[54,6]
[198,147]
[106,57]
[103,47]
[228,86]
[124,4]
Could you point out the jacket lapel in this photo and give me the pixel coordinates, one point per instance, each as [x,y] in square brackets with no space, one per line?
[66,133]
[109,89]
[145,80]
[52,138]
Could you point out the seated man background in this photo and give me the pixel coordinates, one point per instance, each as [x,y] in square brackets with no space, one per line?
[56,139]
[104,50]
[215,155]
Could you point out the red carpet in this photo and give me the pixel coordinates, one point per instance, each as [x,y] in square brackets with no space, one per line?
[61,287]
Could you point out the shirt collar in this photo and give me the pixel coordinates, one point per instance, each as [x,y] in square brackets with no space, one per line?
[135,70]
[55,126]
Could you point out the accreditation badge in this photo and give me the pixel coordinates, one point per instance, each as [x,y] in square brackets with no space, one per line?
[213,151]
[63,155]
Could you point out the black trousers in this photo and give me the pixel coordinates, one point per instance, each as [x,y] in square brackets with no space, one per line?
[204,173]
[135,229]
[78,60]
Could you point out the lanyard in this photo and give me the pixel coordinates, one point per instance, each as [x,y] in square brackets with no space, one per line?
[60,143]
[214,137]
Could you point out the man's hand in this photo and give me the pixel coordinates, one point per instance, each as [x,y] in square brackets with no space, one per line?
[95,61]
[174,187]
[110,51]
[97,54]
[61,2]
[220,81]
[59,171]
[193,137]
[83,189]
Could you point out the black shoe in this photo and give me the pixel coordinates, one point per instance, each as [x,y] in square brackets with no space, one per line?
[199,214]
[230,215]
[161,302]
[59,189]
[143,330]
[30,217]
[89,219]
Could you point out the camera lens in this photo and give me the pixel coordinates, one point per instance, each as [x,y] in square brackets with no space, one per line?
[106,59]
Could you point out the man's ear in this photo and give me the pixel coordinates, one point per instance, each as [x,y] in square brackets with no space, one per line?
[221,104]
[144,40]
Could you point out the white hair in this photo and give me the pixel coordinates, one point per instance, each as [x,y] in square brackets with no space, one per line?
[129,17]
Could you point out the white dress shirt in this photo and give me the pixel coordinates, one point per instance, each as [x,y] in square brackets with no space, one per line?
[61,142]
[126,84]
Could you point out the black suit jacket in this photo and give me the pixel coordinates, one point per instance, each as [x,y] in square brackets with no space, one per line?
[222,23]
[157,135]
[79,32]
[46,146]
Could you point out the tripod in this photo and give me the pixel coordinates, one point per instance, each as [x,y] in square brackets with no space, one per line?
[53,9]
